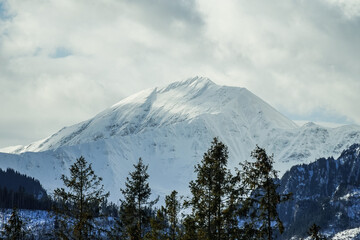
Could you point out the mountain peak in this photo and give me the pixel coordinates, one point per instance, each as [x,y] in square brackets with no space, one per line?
[195,100]
[193,83]
[198,81]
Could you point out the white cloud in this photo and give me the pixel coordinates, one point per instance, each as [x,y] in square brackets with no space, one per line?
[63,61]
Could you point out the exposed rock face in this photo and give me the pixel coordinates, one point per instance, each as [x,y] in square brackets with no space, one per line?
[325,192]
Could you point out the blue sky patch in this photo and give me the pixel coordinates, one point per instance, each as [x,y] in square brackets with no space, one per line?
[61,52]
[4,15]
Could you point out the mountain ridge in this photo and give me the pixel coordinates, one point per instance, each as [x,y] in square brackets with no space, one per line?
[152,108]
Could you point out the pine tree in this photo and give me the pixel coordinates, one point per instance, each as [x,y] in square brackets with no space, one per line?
[233,203]
[261,204]
[135,211]
[190,229]
[173,207]
[211,192]
[314,233]
[79,203]
[158,226]
[14,229]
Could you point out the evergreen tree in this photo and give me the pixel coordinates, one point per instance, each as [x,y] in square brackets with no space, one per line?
[190,229]
[211,192]
[314,233]
[261,204]
[136,208]
[158,226]
[173,206]
[79,203]
[117,230]
[233,203]
[14,229]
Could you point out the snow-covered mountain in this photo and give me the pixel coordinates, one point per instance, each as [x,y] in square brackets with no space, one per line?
[171,128]
[196,102]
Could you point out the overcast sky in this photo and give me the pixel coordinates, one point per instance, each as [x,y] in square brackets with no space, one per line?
[63,61]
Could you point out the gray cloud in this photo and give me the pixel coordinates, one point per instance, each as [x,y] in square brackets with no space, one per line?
[300,56]
[61,62]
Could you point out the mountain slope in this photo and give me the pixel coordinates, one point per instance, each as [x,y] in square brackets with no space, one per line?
[325,192]
[171,128]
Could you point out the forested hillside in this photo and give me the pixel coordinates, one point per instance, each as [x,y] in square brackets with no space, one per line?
[21,191]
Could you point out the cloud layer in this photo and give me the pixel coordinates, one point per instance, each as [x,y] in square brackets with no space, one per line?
[61,62]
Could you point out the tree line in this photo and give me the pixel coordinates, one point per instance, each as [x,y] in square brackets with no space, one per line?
[223,205]
[21,191]
[23,200]
[12,180]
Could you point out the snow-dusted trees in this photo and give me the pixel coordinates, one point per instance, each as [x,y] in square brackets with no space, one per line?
[165,223]
[14,229]
[136,207]
[172,209]
[240,206]
[222,205]
[214,195]
[262,200]
[79,202]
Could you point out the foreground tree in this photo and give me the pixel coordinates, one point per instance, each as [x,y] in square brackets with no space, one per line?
[164,224]
[136,208]
[211,192]
[159,226]
[14,229]
[190,229]
[262,199]
[172,209]
[79,202]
